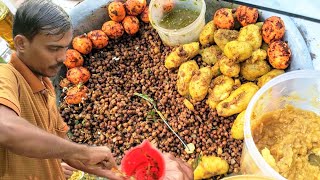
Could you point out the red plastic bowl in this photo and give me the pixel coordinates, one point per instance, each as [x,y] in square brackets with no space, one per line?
[144,162]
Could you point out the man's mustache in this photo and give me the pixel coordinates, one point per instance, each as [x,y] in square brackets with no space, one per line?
[57,65]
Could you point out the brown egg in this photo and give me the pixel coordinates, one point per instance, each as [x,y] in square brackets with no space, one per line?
[73,59]
[82,44]
[78,75]
[223,18]
[279,54]
[135,7]
[99,39]
[273,29]
[113,29]
[247,15]
[131,24]
[144,16]
[76,94]
[116,11]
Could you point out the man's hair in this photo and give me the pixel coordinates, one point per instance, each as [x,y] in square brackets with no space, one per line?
[40,16]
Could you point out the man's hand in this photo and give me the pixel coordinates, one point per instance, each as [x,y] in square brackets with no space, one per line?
[99,156]
[67,170]
[176,169]
[95,160]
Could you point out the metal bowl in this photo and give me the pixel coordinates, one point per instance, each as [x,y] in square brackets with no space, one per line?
[90,15]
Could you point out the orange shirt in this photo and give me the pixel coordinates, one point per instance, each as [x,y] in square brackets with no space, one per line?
[34,101]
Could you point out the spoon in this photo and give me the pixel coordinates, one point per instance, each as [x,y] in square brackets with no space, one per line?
[151,101]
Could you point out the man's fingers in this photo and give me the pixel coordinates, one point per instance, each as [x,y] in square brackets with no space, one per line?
[112,176]
[101,172]
[111,160]
[67,173]
[70,168]
[109,174]
[66,166]
[96,166]
[107,165]
[169,156]
[110,157]
[185,168]
[181,174]
[67,170]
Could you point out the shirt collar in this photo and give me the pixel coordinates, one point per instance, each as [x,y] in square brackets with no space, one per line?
[33,81]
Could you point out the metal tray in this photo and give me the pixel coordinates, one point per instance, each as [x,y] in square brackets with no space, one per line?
[91,14]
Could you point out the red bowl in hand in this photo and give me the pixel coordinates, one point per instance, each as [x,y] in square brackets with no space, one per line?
[144,162]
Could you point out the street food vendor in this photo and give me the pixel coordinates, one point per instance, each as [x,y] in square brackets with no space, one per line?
[33,137]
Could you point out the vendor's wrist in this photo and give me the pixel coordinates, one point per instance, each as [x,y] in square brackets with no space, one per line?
[82,153]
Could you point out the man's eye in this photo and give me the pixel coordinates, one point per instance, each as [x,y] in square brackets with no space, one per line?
[54,49]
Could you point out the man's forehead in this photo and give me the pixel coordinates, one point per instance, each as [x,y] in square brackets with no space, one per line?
[65,38]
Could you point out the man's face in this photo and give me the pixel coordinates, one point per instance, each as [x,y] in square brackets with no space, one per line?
[45,54]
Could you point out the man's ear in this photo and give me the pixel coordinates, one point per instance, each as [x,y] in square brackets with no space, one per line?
[21,43]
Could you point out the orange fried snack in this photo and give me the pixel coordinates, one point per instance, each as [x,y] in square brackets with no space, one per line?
[135,7]
[82,44]
[78,75]
[279,54]
[116,11]
[73,59]
[273,29]
[223,18]
[113,29]
[144,16]
[247,15]
[99,39]
[76,94]
[131,24]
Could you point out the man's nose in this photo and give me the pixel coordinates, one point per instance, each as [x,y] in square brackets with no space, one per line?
[62,55]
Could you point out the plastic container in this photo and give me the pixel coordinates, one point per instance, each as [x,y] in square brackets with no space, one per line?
[6,23]
[300,89]
[185,35]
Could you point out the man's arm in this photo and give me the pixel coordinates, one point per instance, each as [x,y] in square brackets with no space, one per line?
[176,169]
[23,138]
[98,170]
